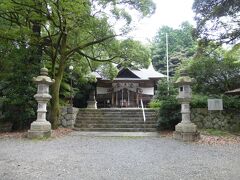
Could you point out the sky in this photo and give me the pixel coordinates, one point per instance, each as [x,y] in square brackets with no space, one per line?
[169,12]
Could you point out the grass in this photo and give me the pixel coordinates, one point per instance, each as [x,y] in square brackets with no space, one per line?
[215,132]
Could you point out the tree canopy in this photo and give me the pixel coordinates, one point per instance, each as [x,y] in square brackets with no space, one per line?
[217,20]
[216,71]
[64,32]
[181,46]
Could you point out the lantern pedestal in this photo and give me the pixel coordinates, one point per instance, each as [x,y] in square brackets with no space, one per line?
[185,130]
[41,128]
[92,103]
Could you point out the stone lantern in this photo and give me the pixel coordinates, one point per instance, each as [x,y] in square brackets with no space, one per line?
[185,130]
[41,127]
[92,103]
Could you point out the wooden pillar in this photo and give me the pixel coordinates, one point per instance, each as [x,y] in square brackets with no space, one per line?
[128,103]
[116,98]
[113,98]
[137,101]
[122,97]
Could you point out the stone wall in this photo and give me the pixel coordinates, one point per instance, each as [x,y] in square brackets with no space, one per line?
[224,120]
[68,116]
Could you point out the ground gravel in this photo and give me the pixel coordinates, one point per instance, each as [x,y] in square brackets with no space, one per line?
[121,158]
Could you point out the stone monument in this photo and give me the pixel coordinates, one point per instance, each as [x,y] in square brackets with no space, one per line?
[92,103]
[41,127]
[185,130]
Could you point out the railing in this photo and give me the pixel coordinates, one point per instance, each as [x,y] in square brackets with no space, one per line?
[144,116]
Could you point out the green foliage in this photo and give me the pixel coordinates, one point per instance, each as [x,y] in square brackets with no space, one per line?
[82,95]
[231,102]
[73,31]
[215,132]
[213,69]
[181,46]
[108,71]
[155,103]
[17,88]
[163,92]
[134,53]
[199,101]
[169,114]
[169,108]
[217,20]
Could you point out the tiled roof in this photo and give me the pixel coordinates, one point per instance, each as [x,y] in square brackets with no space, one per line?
[148,73]
[143,74]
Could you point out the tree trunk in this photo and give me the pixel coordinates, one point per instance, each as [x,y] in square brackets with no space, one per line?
[54,114]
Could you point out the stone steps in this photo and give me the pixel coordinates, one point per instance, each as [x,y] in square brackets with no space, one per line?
[102,118]
[117,129]
[120,120]
[117,125]
[115,122]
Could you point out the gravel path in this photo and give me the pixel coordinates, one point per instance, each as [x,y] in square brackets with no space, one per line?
[116,158]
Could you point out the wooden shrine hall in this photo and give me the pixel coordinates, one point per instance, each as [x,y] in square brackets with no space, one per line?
[128,88]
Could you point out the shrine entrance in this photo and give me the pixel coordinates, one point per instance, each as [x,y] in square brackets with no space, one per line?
[126,98]
[125,95]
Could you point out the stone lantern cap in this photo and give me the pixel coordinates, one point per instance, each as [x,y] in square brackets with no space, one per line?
[43,78]
[184,79]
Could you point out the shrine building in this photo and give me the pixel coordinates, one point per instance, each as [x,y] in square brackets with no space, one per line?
[128,88]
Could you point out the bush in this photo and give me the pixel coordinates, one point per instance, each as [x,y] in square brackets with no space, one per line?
[169,114]
[16,86]
[163,92]
[231,102]
[154,103]
[199,101]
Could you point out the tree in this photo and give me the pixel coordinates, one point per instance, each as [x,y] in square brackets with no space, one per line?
[217,20]
[181,46]
[16,86]
[72,31]
[215,72]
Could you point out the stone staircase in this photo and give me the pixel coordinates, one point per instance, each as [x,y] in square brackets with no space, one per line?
[116,120]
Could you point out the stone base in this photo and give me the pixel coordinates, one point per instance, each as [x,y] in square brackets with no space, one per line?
[40,129]
[186,132]
[188,137]
[92,104]
[39,134]
[186,127]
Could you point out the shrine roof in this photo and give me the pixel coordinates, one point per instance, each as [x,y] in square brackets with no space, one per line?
[135,74]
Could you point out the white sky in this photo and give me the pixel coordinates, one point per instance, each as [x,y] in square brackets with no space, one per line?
[169,12]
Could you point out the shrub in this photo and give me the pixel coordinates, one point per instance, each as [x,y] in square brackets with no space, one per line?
[155,103]
[169,114]
[231,102]
[199,101]
[163,92]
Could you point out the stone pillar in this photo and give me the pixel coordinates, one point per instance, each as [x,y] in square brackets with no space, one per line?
[92,103]
[185,130]
[41,127]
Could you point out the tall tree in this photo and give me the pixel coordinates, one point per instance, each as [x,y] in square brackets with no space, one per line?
[74,30]
[181,46]
[217,20]
[216,71]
